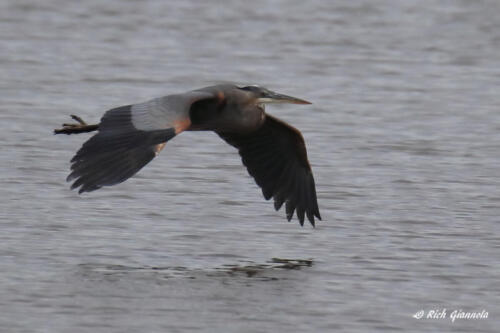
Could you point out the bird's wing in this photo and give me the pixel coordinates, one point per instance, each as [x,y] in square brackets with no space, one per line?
[276,157]
[129,137]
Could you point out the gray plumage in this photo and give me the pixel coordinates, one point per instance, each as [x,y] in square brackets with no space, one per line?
[130,136]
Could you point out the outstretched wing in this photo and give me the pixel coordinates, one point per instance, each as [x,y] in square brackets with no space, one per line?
[129,137]
[276,157]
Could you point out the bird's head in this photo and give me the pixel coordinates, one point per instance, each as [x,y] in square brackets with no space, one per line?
[229,107]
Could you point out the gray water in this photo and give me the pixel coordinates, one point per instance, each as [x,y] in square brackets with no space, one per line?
[403,138]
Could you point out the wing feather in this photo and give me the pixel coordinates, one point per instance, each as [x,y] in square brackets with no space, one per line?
[129,137]
[276,157]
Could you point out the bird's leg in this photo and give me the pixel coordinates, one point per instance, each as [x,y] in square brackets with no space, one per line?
[80,127]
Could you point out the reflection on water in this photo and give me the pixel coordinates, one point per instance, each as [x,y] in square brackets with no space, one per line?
[245,268]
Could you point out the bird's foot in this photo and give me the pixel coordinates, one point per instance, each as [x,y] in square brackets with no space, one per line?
[80,127]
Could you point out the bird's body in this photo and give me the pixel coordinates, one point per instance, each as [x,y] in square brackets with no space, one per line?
[131,136]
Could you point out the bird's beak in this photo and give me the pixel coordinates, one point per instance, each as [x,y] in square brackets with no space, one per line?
[272,97]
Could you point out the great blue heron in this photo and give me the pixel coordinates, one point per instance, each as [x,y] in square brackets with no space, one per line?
[130,136]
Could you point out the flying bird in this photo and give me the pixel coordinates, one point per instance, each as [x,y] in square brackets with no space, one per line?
[129,137]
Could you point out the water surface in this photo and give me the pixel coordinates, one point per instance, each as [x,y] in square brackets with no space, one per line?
[403,138]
